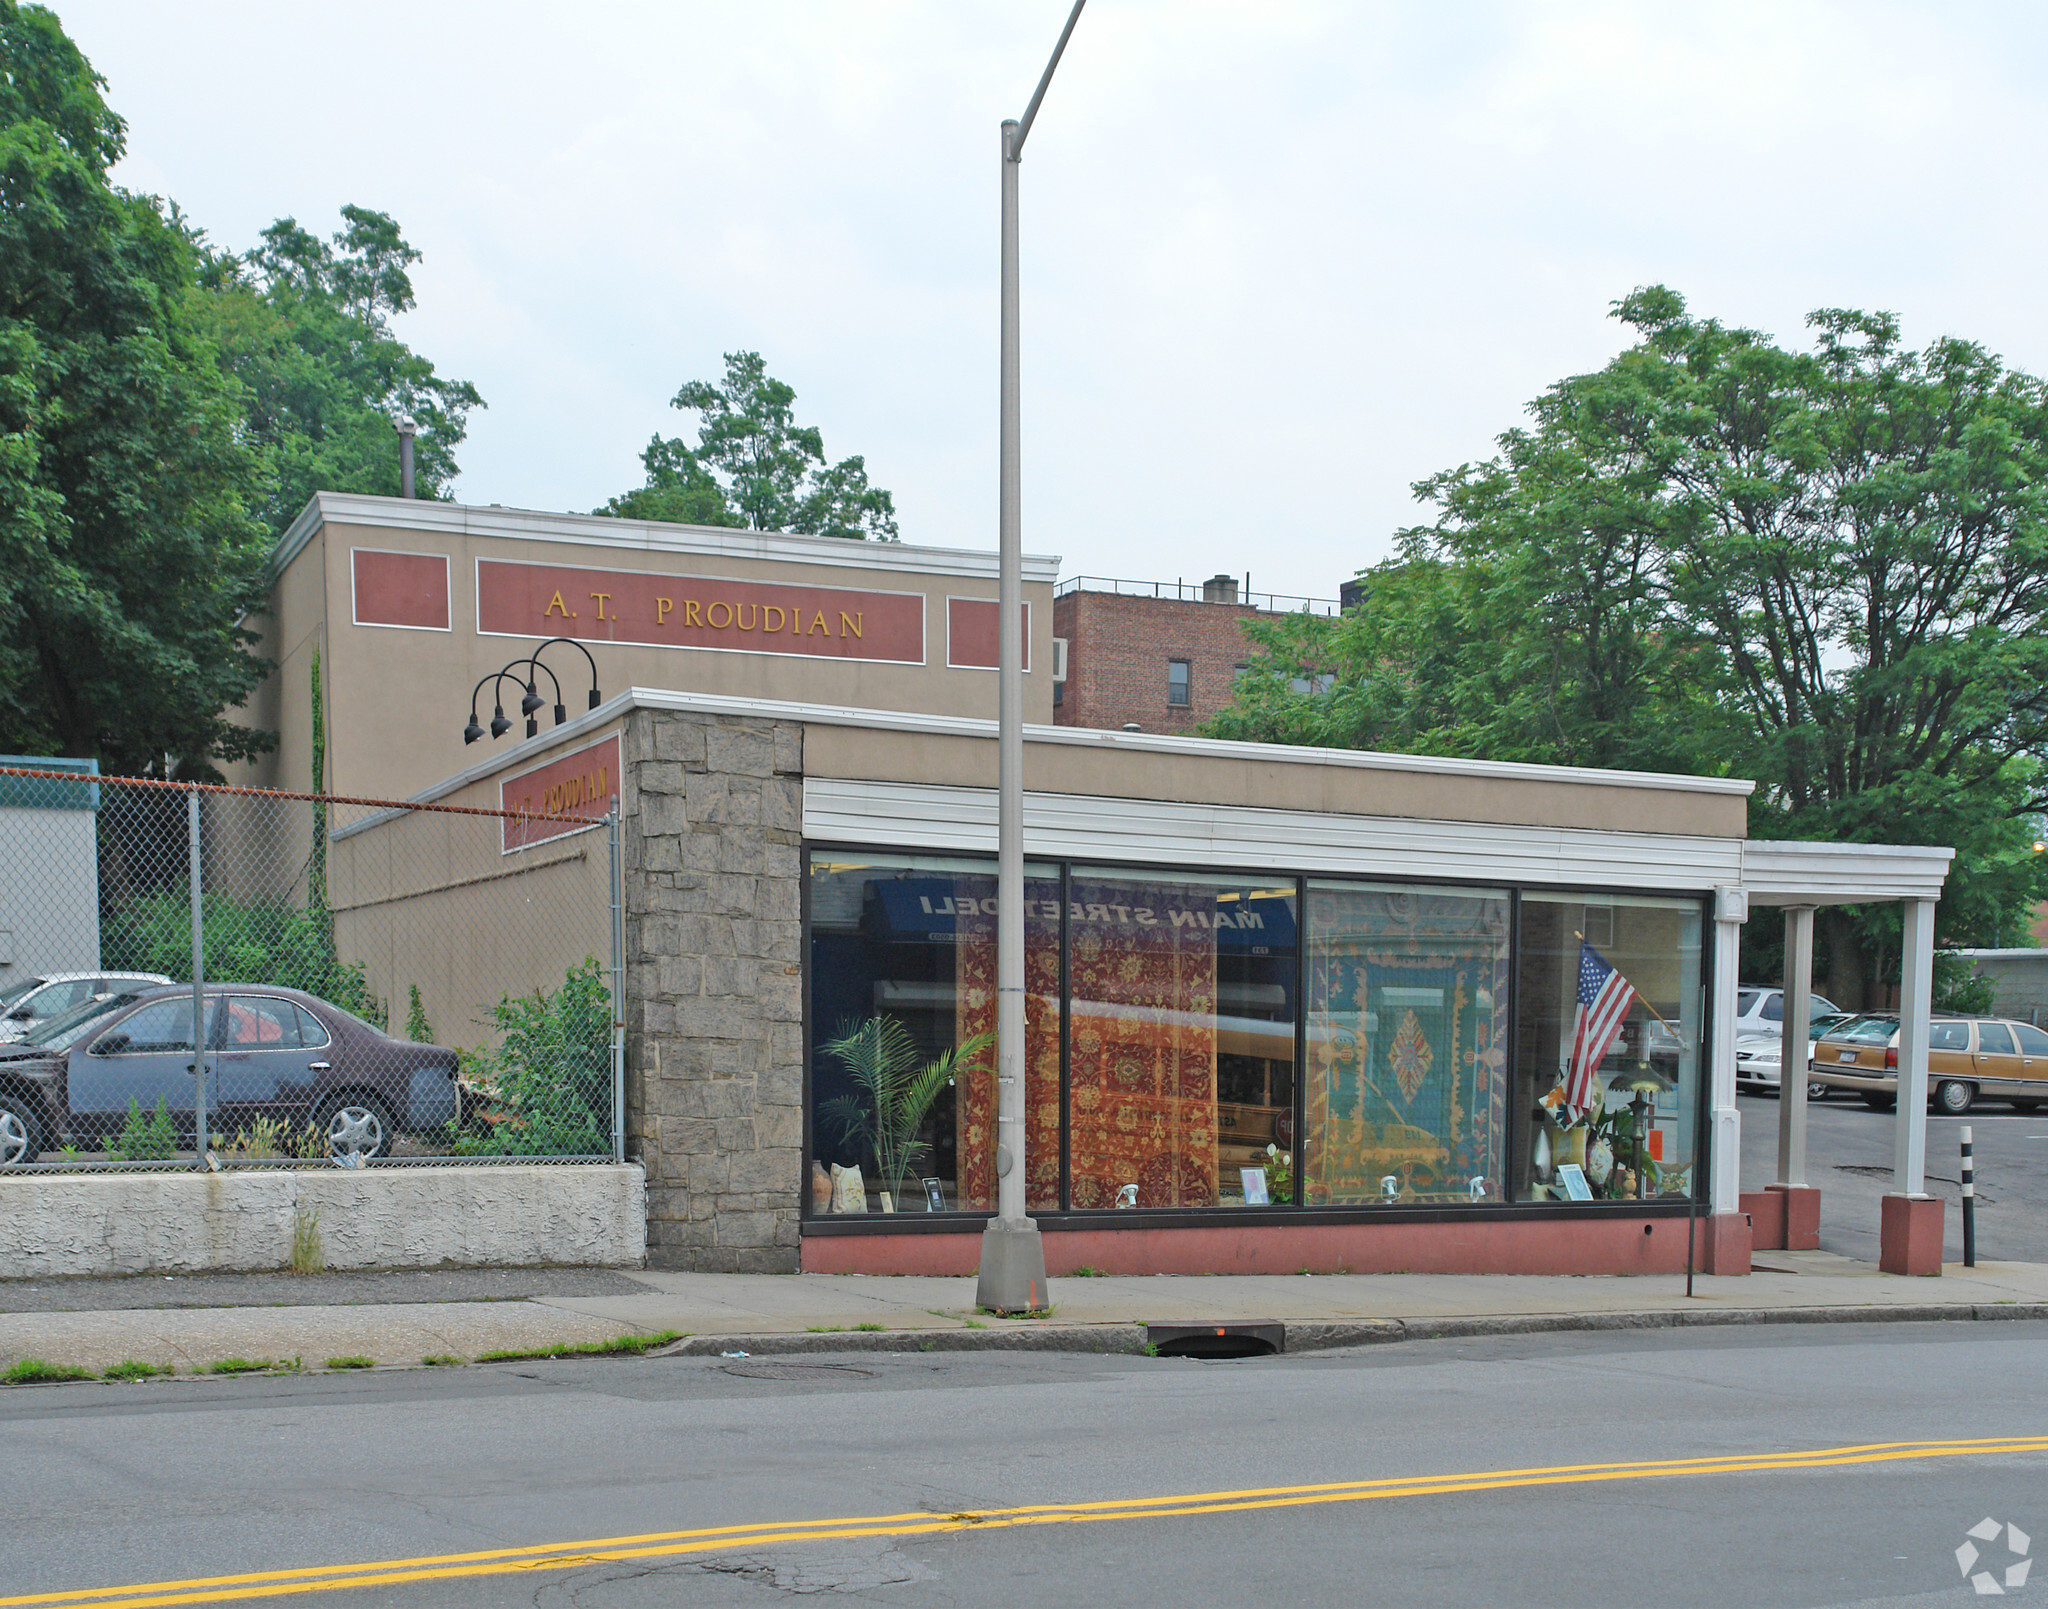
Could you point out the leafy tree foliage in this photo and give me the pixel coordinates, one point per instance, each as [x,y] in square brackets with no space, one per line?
[304,325]
[129,546]
[755,466]
[1825,569]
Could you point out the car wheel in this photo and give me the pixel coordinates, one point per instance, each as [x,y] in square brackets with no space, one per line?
[1879,1103]
[355,1125]
[1953,1097]
[1816,1090]
[21,1135]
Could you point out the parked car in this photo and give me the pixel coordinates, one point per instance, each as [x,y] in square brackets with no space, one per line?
[1759,1057]
[1966,1057]
[274,1053]
[1761,1011]
[35,1000]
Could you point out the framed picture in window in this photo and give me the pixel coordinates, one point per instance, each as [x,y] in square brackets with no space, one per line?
[1573,1178]
[1255,1193]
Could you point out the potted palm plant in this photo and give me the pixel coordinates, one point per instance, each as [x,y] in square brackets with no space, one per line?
[894,1094]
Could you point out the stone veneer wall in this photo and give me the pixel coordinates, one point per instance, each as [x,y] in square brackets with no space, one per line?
[714,959]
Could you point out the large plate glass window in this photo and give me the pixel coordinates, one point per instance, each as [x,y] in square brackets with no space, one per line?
[1406,1099]
[903,987]
[1182,990]
[1607,1047]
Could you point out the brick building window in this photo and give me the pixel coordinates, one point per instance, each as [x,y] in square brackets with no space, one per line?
[1177,681]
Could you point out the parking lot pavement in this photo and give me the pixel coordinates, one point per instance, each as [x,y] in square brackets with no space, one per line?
[1849,1157]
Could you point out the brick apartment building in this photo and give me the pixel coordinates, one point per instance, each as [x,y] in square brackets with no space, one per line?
[1155,656]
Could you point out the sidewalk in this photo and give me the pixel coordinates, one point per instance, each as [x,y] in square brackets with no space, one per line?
[385,1319]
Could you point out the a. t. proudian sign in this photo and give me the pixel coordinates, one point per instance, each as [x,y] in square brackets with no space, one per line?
[698,611]
[561,797]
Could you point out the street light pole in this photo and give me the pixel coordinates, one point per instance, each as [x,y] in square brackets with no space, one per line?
[1012,1275]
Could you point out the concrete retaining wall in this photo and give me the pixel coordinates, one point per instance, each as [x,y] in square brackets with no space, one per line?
[170,1223]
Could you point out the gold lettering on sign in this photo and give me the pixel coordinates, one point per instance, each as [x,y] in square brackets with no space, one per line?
[711,613]
[555,605]
[661,609]
[819,625]
[602,599]
[781,614]
[850,623]
[745,623]
[690,613]
[567,794]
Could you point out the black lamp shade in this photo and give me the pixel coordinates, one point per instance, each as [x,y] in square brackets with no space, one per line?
[472,732]
[531,702]
[499,725]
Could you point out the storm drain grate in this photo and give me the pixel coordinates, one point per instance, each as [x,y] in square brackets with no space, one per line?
[796,1371]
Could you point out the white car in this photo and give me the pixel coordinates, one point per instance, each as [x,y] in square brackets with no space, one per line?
[1759,1058]
[1762,1011]
[30,1001]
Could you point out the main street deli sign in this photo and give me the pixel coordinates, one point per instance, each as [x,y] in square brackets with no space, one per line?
[561,797]
[698,611]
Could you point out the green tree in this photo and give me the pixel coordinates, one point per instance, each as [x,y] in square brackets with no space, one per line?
[1826,569]
[130,551]
[755,466]
[304,325]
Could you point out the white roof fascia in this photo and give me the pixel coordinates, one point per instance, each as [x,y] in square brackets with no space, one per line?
[2003,955]
[960,726]
[1790,873]
[1158,743]
[644,536]
[936,819]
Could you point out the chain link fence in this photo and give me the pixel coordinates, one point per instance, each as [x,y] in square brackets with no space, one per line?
[372,983]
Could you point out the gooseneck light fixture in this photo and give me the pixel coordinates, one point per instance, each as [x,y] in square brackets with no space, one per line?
[524,673]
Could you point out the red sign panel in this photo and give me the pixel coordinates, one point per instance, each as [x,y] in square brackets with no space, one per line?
[972,625]
[400,589]
[561,797]
[698,611]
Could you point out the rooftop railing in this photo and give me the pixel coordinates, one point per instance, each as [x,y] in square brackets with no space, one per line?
[1191,592]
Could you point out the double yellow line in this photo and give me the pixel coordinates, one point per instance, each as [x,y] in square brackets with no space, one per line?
[741,1538]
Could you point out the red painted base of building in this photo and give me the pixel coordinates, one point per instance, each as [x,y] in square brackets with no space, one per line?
[1602,1245]
[1909,1235]
[1802,1215]
[1724,1243]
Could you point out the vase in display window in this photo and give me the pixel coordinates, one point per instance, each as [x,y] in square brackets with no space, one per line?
[1600,1161]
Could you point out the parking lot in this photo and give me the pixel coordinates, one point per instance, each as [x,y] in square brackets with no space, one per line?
[1849,1156]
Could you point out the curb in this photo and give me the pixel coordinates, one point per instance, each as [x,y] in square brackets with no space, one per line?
[1335,1337]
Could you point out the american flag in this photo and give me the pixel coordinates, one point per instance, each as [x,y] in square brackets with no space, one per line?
[1604,998]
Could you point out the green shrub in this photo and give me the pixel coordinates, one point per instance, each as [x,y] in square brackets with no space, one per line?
[145,1139]
[547,1088]
[254,942]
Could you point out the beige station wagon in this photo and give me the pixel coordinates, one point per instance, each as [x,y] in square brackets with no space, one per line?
[1966,1057]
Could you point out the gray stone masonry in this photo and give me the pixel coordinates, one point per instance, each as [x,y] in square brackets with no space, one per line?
[714,1038]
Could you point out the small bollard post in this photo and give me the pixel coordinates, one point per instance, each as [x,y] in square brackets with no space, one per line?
[1969,1200]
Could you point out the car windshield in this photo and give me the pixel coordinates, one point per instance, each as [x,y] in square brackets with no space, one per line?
[1866,1030]
[62,1029]
[19,990]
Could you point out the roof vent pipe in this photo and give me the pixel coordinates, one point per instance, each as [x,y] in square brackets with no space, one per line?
[407,429]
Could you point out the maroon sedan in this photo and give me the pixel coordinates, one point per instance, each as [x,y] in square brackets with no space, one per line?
[272,1053]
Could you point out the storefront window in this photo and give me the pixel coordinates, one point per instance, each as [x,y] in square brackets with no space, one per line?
[903,1011]
[1182,1062]
[1607,1025]
[1407,1095]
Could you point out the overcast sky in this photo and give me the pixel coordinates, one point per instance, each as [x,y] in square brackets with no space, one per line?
[1280,260]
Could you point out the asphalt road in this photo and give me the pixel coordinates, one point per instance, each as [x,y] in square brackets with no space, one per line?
[1849,1156]
[114,1485]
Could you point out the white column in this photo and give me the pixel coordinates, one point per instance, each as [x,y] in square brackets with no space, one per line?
[1916,994]
[1793,1044]
[1731,910]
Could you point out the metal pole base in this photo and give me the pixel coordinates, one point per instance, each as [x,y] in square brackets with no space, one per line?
[1012,1267]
